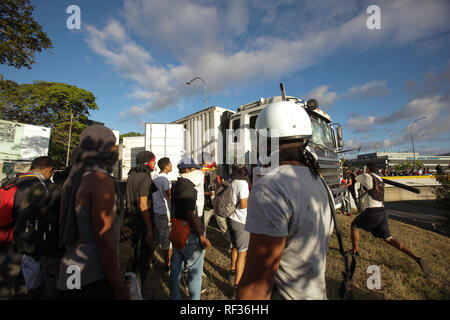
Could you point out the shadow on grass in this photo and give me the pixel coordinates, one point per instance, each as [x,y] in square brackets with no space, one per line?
[333,286]
[222,284]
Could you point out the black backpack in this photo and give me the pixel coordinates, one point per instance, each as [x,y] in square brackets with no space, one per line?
[36,231]
[377,191]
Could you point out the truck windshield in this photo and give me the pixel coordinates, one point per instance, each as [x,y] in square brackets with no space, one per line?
[321,133]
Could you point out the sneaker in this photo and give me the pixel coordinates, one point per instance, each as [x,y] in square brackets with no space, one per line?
[425,267]
[234,295]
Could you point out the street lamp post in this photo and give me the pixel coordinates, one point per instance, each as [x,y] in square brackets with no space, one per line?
[204,88]
[412,139]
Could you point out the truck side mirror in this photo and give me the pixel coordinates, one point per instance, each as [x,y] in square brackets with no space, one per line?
[340,137]
[339,133]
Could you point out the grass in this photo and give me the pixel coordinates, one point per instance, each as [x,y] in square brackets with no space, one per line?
[401,277]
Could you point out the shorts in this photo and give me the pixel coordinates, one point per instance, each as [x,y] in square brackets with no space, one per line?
[162,231]
[239,236]
[375,221]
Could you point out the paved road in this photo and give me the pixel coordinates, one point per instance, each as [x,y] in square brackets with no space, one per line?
[417,212]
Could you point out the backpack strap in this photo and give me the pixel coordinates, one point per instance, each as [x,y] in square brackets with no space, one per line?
[363,187]
[366,191]
[345,290]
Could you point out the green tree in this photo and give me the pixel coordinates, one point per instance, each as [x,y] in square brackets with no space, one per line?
[48,104]
[20,35]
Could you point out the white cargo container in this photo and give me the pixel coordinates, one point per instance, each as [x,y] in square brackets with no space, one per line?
[117,135]
[166,140]
[202,133]
[131,146]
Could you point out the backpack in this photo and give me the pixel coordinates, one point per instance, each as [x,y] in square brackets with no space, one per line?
[36,230]
[377,191]
[223,203]
[8,190]
[174,193]
[7,195]
[211,185]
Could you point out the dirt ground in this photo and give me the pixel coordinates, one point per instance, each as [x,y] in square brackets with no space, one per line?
[401,277]
[216,266]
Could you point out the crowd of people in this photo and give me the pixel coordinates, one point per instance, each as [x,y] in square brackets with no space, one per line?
[61,238]
[81,205]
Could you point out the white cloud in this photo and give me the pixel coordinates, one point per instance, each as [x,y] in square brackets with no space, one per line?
[370,89]
[432,83]
[237,17]
[325,98]
[435,127]
[182,27]
[141,95]
[361,124]
[115,32]
[136,111]
[417,108]
[380,145]
[204,38]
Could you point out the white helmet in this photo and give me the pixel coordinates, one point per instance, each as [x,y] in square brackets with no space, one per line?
[289,119]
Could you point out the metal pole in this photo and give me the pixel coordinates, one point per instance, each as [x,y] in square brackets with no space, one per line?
[204,89]
[70,135]
[206,97]
[414,154]
[412,139]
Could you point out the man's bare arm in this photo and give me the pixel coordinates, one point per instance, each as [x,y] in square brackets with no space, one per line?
[263,259]
[102,199]
[195,224]
[145,212]
[243,203]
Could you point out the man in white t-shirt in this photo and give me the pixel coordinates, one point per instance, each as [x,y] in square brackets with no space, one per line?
[374,218]
[161,208]
[289,215]
[236,222]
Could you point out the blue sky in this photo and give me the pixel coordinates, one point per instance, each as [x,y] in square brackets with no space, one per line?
[136,55]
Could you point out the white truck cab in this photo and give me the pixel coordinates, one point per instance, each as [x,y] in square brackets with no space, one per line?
[326,140]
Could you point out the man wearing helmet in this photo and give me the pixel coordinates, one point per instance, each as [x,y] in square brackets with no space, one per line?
[289,216]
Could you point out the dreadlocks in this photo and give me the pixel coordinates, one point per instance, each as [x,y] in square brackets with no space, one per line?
[294,150]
